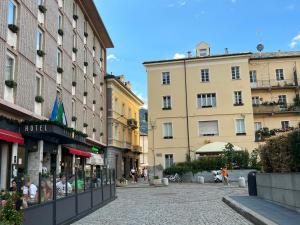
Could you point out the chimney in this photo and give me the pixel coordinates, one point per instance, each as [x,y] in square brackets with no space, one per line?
[226,51]
[189,54]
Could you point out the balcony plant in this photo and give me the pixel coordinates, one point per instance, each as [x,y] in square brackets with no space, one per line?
[75,50]
[74,118]
[85,125]
[60,70]
[74,83]
[40,53]
[101,59]
[11,83]
[42,9]
[14,28]
[75,17]
[60,32]
[39,99]
[94,74]
[101,83]
[101,134]
[85,63]
[86,34]
[94,101]
[94,48]
[94,130]
[101,108]
[85,93]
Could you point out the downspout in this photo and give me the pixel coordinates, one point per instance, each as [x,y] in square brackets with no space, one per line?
[187,112]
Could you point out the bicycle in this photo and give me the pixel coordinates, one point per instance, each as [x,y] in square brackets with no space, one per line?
[175,178]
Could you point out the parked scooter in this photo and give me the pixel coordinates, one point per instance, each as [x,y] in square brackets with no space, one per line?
[217,176]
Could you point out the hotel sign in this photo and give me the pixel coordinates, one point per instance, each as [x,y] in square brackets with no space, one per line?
[35,128]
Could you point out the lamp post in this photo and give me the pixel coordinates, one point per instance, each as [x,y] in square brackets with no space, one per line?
[153,126]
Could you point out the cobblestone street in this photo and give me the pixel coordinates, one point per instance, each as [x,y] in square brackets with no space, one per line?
[180,204]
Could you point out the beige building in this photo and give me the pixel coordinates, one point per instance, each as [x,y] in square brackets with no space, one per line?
[123,126]
[218,98]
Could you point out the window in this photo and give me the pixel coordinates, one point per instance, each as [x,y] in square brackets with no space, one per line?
[166,102]
[165,78]
[253,76]
[74,9]
[39,40]
[129,113]
[257,126]
[168,160]
[85,84]
[235,72]
[85,26]
[255,100]
[167,131]
[59,58]
[116,132]
[60,21]
[9,67]
[84,115]
[85,55]
[240,126]
[74,40]
[38,81]
[40,2]
[116,105]
[73,74]
[206,100]
[282,101]
[208,128]
[203,52]
[285,124]
[279,74]
[205,75]
[12,12]
[123,109]
[73,108]
[238,98]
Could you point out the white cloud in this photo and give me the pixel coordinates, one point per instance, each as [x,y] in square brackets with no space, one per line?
[144,99]
[178,56]
[290,7]
[112,57]
[181,3]
[178,4]
[295,41]
[233,1]
[171,5]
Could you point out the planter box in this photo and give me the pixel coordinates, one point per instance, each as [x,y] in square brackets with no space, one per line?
[282,188]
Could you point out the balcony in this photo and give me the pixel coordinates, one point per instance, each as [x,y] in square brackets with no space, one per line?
[137,149]
[274,108]
[274,84]
[132,123]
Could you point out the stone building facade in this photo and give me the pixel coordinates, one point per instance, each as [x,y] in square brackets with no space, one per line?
[51,49]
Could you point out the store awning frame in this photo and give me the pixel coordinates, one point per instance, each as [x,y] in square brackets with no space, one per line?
[10,136]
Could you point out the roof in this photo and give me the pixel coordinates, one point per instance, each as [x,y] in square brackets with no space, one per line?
[215,147]
[116,78]
[274,55]
[197,57]
[91,12]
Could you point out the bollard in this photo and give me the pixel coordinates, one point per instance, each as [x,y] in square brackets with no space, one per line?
[242,182]
[201,179]
[165,181]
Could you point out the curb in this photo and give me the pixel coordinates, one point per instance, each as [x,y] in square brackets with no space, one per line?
[247,213]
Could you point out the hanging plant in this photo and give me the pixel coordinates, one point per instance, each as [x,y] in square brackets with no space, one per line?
[40,53]
[14,28]
[11,83]
[74,83]
[39,99]
[60,70]
[75,17]
[74,118]
[60,32]
[85,63]
[86,34]
[75,50]
[85,125]
[94,101]
[42,9]
[94,130]
[85,93]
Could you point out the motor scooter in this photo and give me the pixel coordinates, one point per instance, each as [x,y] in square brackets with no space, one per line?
[217,176]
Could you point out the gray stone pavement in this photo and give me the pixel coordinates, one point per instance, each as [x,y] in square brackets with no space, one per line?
[180,204]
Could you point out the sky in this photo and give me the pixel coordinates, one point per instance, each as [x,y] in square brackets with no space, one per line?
[145,30]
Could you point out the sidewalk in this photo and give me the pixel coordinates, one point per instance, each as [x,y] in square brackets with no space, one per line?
[262,212]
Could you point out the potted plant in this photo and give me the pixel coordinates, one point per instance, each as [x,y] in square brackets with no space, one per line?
[60,32]
[94,74]
[85,93]
[94,101]
[11,83]
[39,99]
[94,130]
[156,181]
[40,53]
[9,215]
[86,34]
[60,70]
[74,83]
[14,28]
[85,125]
[75,50]
[85,63]
[42,8]
[74,118]
[121,182]
[75,17]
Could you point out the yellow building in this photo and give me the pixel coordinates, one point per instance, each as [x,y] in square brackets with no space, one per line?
[123,126]
[218,98]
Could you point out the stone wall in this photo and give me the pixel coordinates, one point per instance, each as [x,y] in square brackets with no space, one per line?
[282,188]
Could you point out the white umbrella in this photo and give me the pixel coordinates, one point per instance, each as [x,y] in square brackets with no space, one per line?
[215,147]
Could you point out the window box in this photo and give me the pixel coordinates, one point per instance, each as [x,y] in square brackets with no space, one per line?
[14,28]
[60,32]
[74,83]
[86,34]
[166,108]
[75,50]
[206,106]
[85,93]
[210,135]
[238,104]
[85,63]
[39,99]
[94,101]
[11,83]
[94,75]
[42,9]
[240,134]
[75,17]
[40,53]
[60,70]
[168,137]
[85,125]
[94,130]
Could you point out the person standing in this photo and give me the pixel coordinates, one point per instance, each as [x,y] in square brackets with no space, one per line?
[225,175]
[62,185]
[145,173]
[133,174]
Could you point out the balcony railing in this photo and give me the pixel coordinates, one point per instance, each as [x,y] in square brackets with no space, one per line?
[270,109]
[137,148]
[132,123]
[275,84]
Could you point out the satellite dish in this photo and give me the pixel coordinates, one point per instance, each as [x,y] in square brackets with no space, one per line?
[260,47]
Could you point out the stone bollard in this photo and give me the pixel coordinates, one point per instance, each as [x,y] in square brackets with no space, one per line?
[165,181]
[200,179]
[242,182]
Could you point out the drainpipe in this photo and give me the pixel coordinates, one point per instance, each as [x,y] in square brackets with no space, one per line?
[187,111]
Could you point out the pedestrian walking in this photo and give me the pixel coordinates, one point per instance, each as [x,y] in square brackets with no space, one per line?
[133,175]
[225,175]
[145,173]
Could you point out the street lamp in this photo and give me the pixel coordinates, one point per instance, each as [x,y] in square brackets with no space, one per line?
[153,126]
